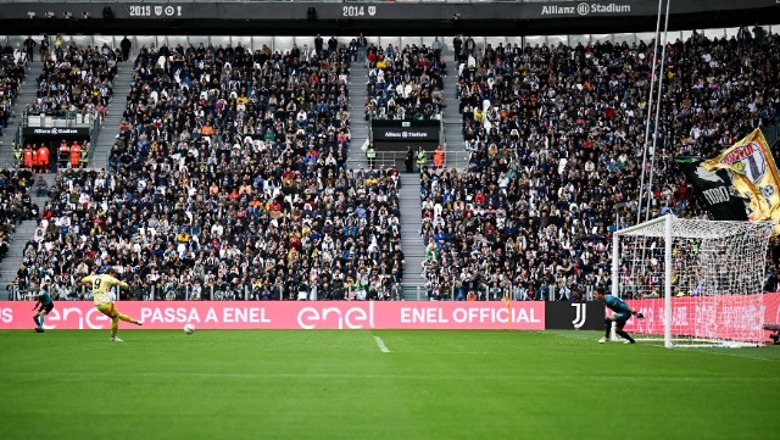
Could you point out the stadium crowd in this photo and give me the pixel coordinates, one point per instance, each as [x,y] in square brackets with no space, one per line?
[16,204]
[76,81]
[228,182]
[555,136]
[228,177]
[404,83]
[11,75]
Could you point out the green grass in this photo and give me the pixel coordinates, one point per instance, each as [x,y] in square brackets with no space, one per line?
[339,385]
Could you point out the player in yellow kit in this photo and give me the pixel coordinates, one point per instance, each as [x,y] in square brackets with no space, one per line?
[101,285]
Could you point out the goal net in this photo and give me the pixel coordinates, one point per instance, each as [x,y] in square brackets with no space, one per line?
[698,282]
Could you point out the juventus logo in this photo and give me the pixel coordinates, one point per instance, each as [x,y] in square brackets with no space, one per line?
[371,10]
[580,316]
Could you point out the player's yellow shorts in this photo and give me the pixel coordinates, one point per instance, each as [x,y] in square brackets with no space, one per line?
[107,309]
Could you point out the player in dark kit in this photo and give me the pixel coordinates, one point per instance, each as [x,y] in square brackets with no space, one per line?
[622,313]
[44,306]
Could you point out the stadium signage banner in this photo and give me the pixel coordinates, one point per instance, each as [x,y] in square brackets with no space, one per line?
[521,315]
[584,9]
[216,10]
[690,312]
[406,131]
[55,131]
[152,11]
[290,315]
[564,315]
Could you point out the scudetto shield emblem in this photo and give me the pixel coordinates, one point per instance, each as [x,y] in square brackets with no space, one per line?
[749,160]
[371,10]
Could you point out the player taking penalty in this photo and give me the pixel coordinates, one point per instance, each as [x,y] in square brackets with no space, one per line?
[622,313]
[101,285]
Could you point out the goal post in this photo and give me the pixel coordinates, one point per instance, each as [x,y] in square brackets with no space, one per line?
[698,282]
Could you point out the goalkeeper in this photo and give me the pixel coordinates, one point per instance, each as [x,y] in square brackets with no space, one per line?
[622,313]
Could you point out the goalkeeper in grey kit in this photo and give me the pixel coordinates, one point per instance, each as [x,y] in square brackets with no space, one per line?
[622,313]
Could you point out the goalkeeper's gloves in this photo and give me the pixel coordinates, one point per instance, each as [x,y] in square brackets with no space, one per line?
[639,314]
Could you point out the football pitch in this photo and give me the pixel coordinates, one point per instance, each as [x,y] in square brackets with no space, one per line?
[379,385]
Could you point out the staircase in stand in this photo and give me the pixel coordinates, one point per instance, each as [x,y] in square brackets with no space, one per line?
[101,148]
[27,92]
[358,126]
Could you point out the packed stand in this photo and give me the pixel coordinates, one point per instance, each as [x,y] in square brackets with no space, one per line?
[404,83]
[76,81]
[11,75]
[555,136]
[228,181]
[16,204]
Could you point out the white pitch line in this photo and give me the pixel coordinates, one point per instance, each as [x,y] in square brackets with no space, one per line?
[381,344]
[425,377]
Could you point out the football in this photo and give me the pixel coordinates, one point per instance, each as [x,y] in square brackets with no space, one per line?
[189,329]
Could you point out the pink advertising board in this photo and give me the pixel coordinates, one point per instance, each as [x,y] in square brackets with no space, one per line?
[288,315]
[689,314]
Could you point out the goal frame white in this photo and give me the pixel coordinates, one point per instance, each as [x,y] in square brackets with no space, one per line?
[668,235]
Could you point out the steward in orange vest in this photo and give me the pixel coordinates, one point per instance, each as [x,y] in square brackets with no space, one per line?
[43,159]
[36,163]
[64,151]
[75,155]
[438,157]
[28,157]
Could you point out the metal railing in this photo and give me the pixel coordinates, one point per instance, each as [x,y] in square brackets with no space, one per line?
[206,293]
[395,159]
[442,130]
[370,127]
[248,293]
[69,120]
[550,292]
[18,136]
